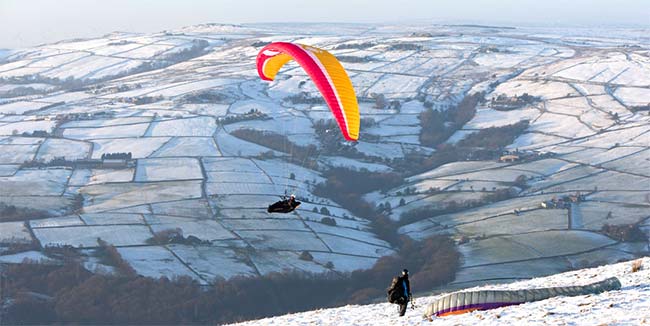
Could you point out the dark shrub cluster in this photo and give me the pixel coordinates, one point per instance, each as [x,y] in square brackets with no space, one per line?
[405,47]
[496,137]
[175,235]
[207,96]
[303,155]
[304,98]
[347,187]
[438,126]
[624,232]
[253,114]
[117,156]
[332,141]
[359,46]
[110,256]
[353,58]
[328,221]
[14,213]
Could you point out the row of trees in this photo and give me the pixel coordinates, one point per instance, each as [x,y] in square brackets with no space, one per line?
[40,163]
[495,138]
[175,235]
[304,98]
[624,232]
[198,48]
[384,104]
[252,114]
[33,133]
[354,58]
[346,187]
[405,47]
[486,144]
[637,108]
[117,156]
[109,255]
[327,132]
[437,126]
[210,96]
[16,213]
[46,294]
[505,103]
[357,46]
[141,100]
[303,155]
[329,137]
[10,212]
[454,206]
[23,91]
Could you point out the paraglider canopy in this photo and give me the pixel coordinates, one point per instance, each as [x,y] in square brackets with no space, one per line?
[462,302]
[327,73]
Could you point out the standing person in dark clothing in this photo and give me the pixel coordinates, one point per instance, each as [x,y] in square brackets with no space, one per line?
[406,285]
[400,291]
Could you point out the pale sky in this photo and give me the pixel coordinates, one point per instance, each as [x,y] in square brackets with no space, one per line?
[26,23]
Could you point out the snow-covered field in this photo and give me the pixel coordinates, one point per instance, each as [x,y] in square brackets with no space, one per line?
[627,306]
[173,100]
[70,149]
[161,169]
[86,236]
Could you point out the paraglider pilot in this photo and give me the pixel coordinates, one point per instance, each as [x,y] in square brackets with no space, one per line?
[399,291]
[284,206]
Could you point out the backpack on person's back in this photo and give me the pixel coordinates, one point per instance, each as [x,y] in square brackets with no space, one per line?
[395,292]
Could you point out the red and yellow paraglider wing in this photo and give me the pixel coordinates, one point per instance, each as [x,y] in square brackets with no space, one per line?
[271,63]
[327,73]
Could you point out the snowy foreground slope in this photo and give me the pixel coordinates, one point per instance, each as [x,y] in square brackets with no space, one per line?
[628,306]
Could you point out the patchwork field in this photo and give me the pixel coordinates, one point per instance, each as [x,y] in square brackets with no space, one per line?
[133,137]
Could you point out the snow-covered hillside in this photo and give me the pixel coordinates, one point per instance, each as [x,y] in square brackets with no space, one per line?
[628,306]
[178,102]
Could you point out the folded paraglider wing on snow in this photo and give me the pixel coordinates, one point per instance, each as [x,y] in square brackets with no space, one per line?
[462,302]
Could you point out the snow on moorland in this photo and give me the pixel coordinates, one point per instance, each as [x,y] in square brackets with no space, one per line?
[174,108]
[627,306]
